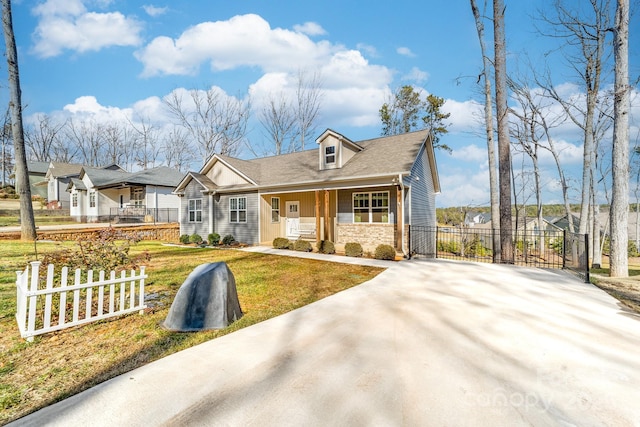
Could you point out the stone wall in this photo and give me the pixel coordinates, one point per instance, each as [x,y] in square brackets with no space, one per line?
[162,232]
[368,235]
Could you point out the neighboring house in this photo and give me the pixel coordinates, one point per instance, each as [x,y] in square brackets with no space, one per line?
[58,177]
[530,224]
[368,192]
[473,218]
[98,194]
[37,172]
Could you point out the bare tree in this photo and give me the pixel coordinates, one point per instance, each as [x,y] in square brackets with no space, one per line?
[177,148]
[114,143]
[488,121]
[504,151]
[88,136]
[43,137]
[279,120]
[146,142]
[217,122]
[27,221]
[6,138]
[619,262]
[309,102]
[585,51]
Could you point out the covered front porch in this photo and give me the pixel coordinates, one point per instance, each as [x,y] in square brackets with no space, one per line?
[366,215]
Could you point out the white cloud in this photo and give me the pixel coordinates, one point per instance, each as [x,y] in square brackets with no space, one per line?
[466,116]
[244,40]
[367,49]
[405,51]
[416,75]
[310,29]
[66,24]
[471,153]
[154,10]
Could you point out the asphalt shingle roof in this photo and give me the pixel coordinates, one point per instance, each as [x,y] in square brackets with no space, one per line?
[380,156]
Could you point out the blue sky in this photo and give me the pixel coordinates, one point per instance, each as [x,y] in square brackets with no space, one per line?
[110,59]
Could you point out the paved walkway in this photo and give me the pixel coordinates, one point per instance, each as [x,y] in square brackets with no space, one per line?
[425,343]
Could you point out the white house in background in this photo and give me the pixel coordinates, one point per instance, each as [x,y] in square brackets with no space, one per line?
[58,176]
[100,194]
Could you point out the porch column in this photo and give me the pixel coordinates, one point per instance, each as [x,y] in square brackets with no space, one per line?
[399,219]
[317,216]
[326,214]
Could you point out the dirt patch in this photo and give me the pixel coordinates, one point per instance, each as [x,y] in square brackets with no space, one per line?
[627,290]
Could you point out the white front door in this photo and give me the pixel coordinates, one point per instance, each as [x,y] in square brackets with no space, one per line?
[293,219]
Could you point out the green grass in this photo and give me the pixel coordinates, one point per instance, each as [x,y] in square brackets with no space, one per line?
[57,365]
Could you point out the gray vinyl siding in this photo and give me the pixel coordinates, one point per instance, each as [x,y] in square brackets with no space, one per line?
[194,191]
[244,232]
[345,203]
[422,195]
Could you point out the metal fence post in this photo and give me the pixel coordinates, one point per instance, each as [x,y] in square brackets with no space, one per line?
[564,249]
[586,254]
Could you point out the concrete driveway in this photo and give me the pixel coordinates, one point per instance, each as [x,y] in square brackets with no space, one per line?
[426,343]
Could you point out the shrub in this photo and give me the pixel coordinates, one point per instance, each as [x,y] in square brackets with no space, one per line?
[228,240]
[385,252]
[281,243]
[184,239]
[353,249]
[214,239]
[109,250]
[326,247]
[195,238]
[302,246]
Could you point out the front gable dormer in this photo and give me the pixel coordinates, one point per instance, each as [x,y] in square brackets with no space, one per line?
[335,150]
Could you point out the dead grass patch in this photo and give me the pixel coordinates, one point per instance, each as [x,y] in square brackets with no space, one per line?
[58,365]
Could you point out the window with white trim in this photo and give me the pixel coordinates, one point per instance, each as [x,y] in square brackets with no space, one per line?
[275,209]
[237,209]
[137,196]
[371,207]
[194,210]
[329,155]
[74,200]
[92,199]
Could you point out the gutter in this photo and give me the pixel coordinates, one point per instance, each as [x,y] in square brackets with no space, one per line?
[404,254]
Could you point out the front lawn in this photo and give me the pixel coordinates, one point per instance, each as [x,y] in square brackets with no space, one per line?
[57,365]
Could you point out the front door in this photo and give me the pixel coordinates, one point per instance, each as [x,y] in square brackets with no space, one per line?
[293,219]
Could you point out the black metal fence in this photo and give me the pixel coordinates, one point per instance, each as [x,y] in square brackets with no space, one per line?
[546,249]
[136,214]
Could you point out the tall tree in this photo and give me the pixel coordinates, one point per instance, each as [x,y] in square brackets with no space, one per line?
[620,162]
[42,138]
[309,102]
[504,149]
[278,119]
[488,122]
[177,149]
[88,136]
[27,221]
[407,111]
[216,122]
[5,139]
[584,30]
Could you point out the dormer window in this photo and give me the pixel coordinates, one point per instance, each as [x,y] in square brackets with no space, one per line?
[329,155]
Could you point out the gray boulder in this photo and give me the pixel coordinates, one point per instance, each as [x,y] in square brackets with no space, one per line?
[206,300]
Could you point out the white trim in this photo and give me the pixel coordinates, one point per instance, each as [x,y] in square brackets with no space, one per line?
[207,167]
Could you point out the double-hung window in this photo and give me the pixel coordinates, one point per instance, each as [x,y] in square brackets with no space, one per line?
[195,210]
[275,209]
[92,199]
[371,207]
[329,155]
[74,200]
[238,209]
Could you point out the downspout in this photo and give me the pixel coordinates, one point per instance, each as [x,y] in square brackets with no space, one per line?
[404,254]
[211,213]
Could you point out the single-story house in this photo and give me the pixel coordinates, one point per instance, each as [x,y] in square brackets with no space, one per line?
[99,194]
[370,192]
[58,176]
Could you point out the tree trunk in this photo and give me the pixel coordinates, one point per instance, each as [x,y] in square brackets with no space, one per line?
[27,222]
[504,150]
[491,150]
[619,262]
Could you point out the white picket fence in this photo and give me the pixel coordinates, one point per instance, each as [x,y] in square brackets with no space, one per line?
[50,309]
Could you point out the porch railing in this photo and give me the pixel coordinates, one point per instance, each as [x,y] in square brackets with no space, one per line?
[143,214]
